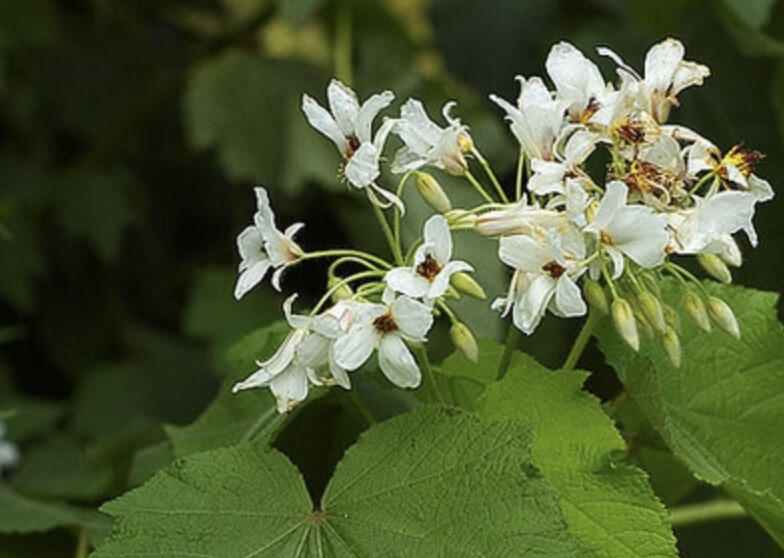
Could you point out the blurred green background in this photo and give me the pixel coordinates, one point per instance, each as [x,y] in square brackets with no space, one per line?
[134,131]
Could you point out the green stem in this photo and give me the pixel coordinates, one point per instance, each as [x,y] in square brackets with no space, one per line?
[490,174]
[582,340]
[424,363]
[393,246]
[362,407]
[399,194]
[706,511]
[344,48]
[82,544]
[341,252]
[512,336]
[340,284]
[478,187]
[701,182]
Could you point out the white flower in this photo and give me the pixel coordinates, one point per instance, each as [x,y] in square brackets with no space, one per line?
[262,246]
[537,119]
[519,218]
[579,83]
[386,327]
[549,277]
[666,75]
[429,277]
[349,126]
[307,347]
[427,143]
[634,230]
[549,176]
[9,453]
[706,227]
[656,174]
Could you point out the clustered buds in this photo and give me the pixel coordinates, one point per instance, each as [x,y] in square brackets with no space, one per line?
[573,239]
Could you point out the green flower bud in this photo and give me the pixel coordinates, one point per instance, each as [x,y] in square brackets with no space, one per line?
[625,324]
[464,283]
[431,191]
[723,315]
[595,296]
[342,292]
[671,317]
[672,346]
[715,266]
[464,340]
[696,309]
[652,310]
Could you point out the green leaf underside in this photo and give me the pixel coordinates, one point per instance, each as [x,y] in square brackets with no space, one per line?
[610,508]
[232,416]
[436,482]
[722,411]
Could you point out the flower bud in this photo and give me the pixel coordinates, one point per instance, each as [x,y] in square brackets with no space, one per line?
[431,191]
[696,309]
[464,340]
[672,346]
[463,282]
[652,310]
[452,293]
[591,211]
[625,324]
[723,316]
[595,296]
[464,142]
[715,266]
[643,325]
[671,317]
[340,293]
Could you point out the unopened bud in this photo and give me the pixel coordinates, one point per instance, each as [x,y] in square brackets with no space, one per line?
[723,315]
[342,292]
[591,211]
[672,346]
[452,293]
[464,142]
[715,266]
[625,324]
[644,326]
[671,317]
[464,340]
[431,191]
[652,284]
[652,310]
[595,296]
[696,309]
[463,282]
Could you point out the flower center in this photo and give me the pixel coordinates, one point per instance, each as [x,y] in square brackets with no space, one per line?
[429,268]
[742,159]
[590,110]
[353,145]
[385,323]
[605,237]
[553,269]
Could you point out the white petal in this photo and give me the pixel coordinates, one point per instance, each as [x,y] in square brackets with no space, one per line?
[321,120]
[579,146]
[661,61]
[354,348]
[523,252]
[530,307]
[568,298]
[617,259]
[547,177]
[337,371]
[614,199]
[441,281]
[640,234]
[313,351]
[368,111]
[407,281]
[413,318]
[290,387]
[397,363]
[415,128]
[406,160]
[251,277]
[389,198]
[344,106]
[362,168]
[250,245]
[687,74]
[576,78]
[436,233]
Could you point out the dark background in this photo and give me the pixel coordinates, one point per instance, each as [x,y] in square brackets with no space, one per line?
[132,133]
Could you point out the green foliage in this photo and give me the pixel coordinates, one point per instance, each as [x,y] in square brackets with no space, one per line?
[609,507]
[21,515]
[722,410]
[474,493]
[754,13]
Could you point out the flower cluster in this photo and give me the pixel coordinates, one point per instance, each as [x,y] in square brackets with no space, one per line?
[569,236]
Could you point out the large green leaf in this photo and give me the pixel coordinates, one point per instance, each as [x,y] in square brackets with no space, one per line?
[721,412]
[21,515]
[234,417]
[435,482]
[610,508]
